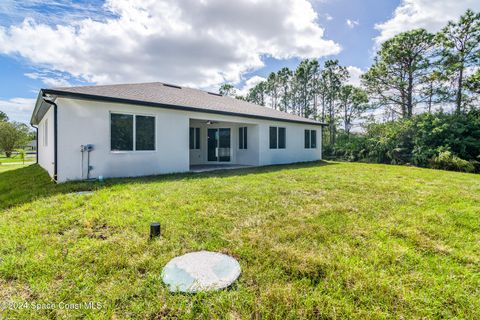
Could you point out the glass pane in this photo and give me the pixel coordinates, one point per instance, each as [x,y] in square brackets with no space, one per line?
[121,132]
[245,138]
[240,138]
[192,138]
[197,138]
[212,144]
[224,145]
[273,137]
[307,139]
[281,138]
[314,139]
[145,133]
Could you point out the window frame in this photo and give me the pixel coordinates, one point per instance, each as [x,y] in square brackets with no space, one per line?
[197,135]
[243,138]
[277,137]
[307,139]
[134,132]
[312,131]
[309,133]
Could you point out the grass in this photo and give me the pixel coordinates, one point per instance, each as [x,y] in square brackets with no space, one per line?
[320,240]
[16,158]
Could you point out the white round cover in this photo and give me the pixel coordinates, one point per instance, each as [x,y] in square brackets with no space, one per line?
[200,271]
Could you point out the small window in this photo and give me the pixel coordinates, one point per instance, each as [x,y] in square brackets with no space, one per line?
[121,132]
[277,137]
[310,139]
[194,138]
[281,138]
[45,133]
[242,137]
[307,139]
[144,133]
[313,139]
[273,137]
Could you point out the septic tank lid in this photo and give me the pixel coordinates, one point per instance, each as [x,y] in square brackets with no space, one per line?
[200,271]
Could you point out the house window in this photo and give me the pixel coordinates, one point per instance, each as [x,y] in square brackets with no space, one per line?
[45,133]
[194,138]
[277,137]
[281,138]
[307,139]
[310,139]
[144,133]
[132,133]
[313,139]
[242,137]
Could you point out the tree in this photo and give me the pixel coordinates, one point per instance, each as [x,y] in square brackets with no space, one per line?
[304,88]
[460,51]
[399,70]
[284,77]
[353,102]
[433,90]
[334,76]
[258,93]
[3,116]
[473,83]
[273,89]
[12,135]
[227,89]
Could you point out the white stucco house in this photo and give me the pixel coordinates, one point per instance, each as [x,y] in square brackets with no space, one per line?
[155,128]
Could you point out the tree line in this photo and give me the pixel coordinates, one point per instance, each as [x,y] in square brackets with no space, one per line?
[413,72]
[13,135]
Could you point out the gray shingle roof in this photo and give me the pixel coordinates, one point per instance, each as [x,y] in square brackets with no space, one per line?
[170,96]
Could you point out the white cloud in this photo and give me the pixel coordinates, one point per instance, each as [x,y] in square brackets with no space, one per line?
[49,79]
[250,83]
[352,23]
[191,42]
[18,109]
[427,14]
[355,74]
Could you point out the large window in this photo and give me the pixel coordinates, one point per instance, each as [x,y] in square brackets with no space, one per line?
[194,138]
[277,137]
[310,139]
[242,138]
[132,133]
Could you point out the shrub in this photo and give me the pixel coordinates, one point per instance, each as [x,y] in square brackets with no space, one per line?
[446,160]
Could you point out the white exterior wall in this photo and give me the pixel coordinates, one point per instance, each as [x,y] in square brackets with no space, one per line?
[46,142]
[83,122]
[294,144]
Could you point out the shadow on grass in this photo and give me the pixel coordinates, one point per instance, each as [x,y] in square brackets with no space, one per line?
[30,183]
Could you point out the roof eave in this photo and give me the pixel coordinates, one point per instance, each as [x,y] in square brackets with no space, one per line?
[167,106]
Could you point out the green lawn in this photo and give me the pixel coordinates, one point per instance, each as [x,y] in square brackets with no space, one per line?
[16,158]
[319,240]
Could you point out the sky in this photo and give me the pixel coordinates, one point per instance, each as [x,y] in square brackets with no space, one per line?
[201,44]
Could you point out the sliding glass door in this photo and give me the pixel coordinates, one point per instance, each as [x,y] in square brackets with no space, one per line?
[218,144]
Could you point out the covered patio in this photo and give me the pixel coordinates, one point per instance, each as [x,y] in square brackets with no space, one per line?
[216,145]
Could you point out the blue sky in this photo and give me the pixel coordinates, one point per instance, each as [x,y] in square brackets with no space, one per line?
[64,42]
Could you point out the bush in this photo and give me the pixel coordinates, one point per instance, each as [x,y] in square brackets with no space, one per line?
[446,160]
[418,141]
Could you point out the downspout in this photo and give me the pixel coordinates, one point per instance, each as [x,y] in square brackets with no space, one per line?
[55,136]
